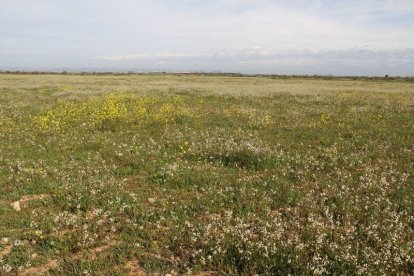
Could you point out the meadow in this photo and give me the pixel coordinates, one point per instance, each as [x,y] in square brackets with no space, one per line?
[205,175]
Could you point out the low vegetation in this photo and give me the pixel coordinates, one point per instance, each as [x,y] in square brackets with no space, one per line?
[205,175]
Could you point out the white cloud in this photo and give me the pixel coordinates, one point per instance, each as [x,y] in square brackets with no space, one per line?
[258,53]
[351,61]
[124,31]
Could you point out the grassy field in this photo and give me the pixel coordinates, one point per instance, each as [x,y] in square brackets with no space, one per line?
[205,175]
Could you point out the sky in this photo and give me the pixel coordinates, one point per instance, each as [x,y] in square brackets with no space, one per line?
[338,37]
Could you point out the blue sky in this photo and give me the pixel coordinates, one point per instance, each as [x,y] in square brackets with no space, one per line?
[366,37]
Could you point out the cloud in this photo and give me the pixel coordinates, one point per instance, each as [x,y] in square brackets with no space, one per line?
[350,61]
[260,54]
[201,34]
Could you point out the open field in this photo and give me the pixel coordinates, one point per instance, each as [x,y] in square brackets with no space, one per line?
[205,175]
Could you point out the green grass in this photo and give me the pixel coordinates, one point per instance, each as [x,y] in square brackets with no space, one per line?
[206,174]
